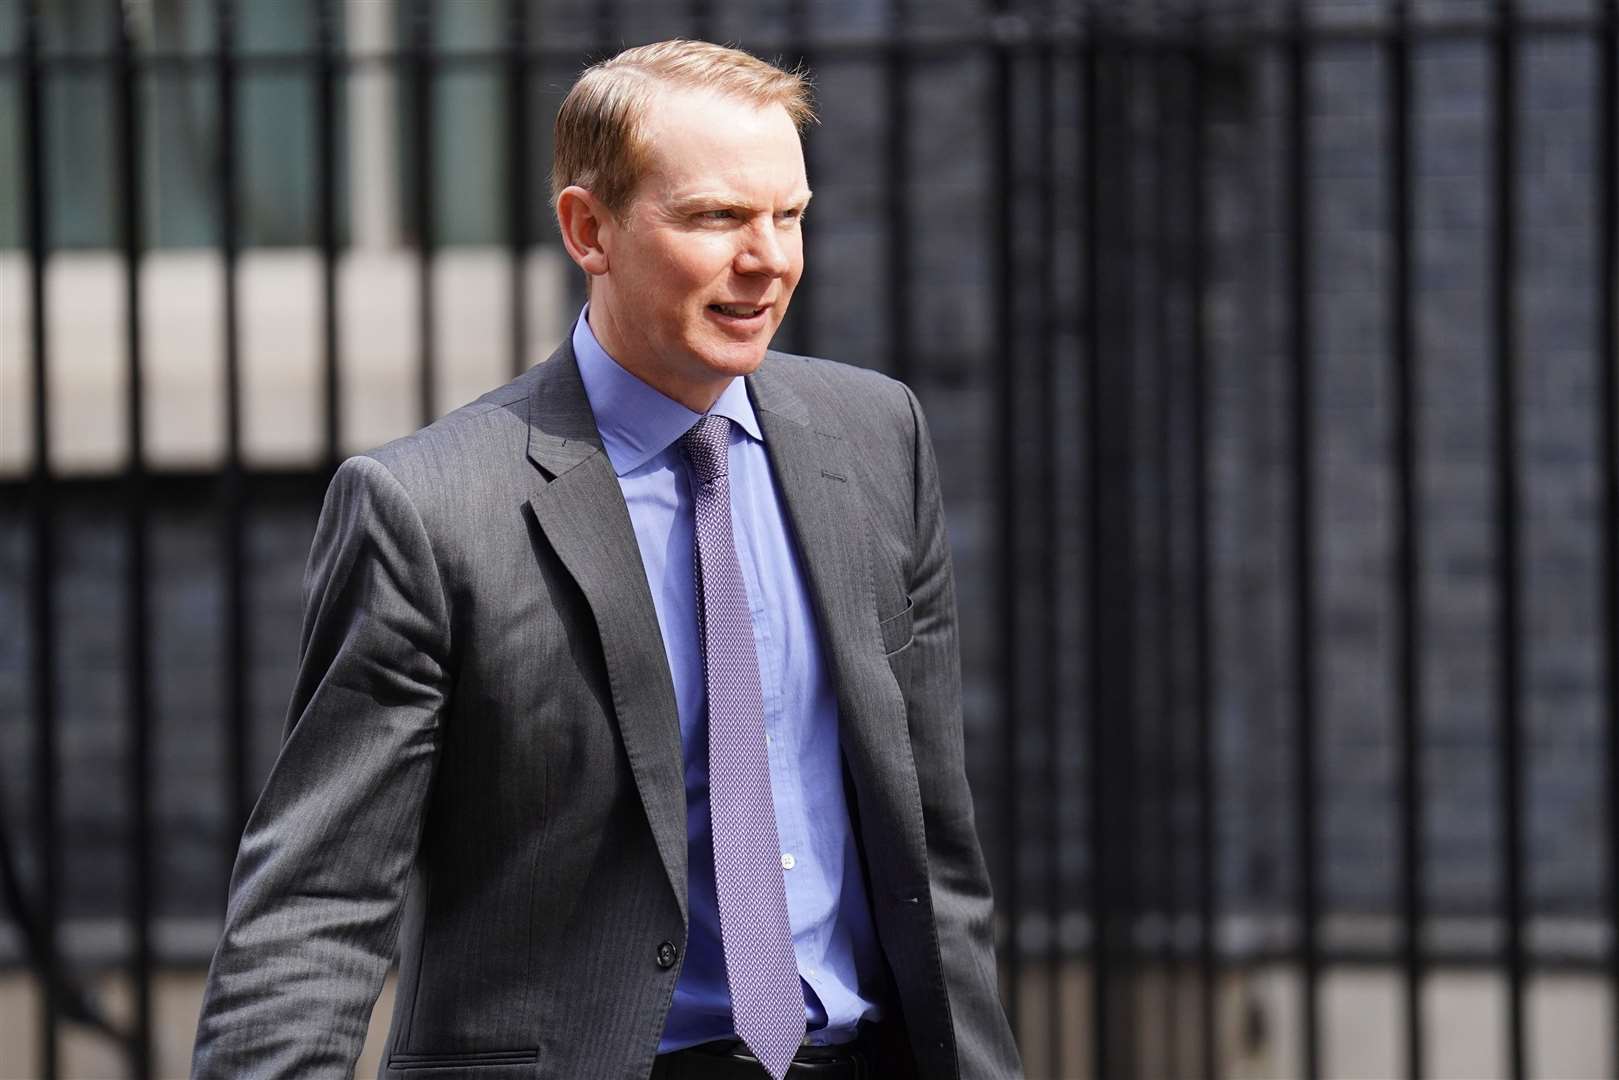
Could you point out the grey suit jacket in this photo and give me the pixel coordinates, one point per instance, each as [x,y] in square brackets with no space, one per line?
[482,761]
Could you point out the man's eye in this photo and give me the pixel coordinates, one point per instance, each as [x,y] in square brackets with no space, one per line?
[716,215]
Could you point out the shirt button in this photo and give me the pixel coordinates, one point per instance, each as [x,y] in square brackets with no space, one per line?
[666,955]
[787,861]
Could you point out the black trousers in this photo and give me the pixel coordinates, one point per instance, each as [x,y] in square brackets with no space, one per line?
[874,1055]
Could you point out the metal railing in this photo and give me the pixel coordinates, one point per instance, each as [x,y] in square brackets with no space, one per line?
[1083,103]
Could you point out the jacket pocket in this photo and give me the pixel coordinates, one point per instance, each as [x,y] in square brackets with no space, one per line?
[896,629]
[463,1060]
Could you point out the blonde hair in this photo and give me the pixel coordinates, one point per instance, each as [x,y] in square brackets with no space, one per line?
[600,142]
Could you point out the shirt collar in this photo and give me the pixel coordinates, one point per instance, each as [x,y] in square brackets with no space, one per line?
[637,422]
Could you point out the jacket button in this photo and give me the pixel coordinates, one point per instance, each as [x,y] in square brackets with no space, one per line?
[666,955]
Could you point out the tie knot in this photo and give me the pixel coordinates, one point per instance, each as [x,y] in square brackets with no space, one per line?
[706,445]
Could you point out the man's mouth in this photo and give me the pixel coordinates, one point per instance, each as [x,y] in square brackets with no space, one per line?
[739,311]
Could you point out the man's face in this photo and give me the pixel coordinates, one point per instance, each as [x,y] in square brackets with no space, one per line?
[702,263]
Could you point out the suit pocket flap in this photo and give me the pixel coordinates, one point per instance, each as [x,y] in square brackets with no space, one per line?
[464,1060]
[897,629]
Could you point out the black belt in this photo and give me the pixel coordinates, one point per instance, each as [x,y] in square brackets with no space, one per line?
[730,1060]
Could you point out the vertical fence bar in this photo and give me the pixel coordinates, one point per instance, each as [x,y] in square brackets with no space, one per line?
[1119,572]
[422,69]
[897,178]
[1168,705]
[1408,616]
[1051,415]
[1091,333]
[326,105]
[232,532]
[1202,479]
[1302,538]
[701,14]
[517,177]
[137,653]
[606,30]
[41,592]
[1607,383]
[1007,479]
[1111,539]
[1503,302]
[803,337]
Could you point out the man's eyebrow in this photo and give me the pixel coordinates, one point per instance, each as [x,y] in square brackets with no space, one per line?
[701,200]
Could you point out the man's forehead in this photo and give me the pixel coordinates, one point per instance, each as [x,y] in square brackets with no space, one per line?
[700,144]
[676,104]
[688,120]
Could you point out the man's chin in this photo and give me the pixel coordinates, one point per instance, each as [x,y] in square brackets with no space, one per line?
[735,362]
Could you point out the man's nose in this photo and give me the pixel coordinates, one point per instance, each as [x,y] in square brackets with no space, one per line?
[764,252]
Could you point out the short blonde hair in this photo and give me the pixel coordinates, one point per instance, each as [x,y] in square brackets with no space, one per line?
[600,142]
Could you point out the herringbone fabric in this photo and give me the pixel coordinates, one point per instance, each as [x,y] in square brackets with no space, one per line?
[766,1001]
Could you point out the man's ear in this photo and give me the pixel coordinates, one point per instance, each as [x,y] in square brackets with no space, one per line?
[581,218]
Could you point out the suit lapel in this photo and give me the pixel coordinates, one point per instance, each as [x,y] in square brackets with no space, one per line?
[820,485]
[580,508]
[582,513]
[816,481]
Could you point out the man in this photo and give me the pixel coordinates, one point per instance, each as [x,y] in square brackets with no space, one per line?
[629,695]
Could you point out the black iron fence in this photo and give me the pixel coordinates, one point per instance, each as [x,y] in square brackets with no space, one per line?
[1236,327]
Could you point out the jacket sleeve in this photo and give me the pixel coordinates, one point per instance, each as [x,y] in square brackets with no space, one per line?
[315,896]
[959,880]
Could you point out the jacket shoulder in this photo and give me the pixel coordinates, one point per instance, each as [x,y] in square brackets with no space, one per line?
[806,371]
[859,402]
[463,443]
[874,418]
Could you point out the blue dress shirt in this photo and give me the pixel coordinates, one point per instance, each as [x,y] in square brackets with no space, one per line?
[836,947]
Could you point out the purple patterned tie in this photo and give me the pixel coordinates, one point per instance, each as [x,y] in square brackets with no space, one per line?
[766,1003]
